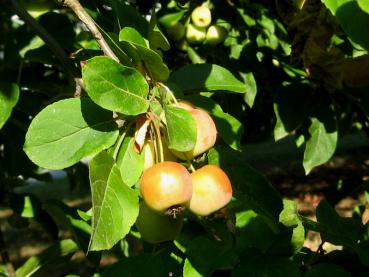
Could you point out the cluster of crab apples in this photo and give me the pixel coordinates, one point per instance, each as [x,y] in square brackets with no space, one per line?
[168,188]
[198,30]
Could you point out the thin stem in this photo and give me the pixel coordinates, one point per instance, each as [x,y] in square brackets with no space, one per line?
[89,22]
[190,165]
[50,41]
[5,257]
[120,141]
[158,141]
[168,91]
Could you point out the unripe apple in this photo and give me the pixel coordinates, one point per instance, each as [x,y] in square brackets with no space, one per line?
[195,34]
[206,132]
[215,35]
[166,187]
[201,16]
[149,153]
[155,227]
[37,7]
[212,190]
[176,31]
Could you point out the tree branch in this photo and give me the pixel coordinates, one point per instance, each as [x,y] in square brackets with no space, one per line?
[50,41]
[89,22]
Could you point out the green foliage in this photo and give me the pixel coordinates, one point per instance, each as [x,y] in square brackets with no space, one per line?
[287,68]
[60,135]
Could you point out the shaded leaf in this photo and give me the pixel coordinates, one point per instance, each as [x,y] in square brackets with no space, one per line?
[335,229]
[67,131]
[53,254]
[327,269]
[115,205]
[228,127]
[251,86]
[9,94]
[205,77]
[321,144]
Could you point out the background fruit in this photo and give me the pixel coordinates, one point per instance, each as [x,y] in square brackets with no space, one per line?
[195,34]
[212,190]
[165,185]
[37,7]
[176,31]
[155,227]
[201,16]
[206,132]
[215,35]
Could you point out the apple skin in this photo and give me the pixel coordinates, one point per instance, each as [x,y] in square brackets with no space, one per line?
[195,35]
[201,16]
[37,7]
[149,153]
[215,35]
[176,31]
[166,185]
[206,132]
[155,227]
[212,190]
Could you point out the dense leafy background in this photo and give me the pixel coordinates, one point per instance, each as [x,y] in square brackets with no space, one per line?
[287,70]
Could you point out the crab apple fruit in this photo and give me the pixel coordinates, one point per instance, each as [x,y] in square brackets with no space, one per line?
[149,153]
[37,7]
[206,132]
[195,34]
[201,16]
[166,187]
[212,190]
[155,227]
[176,31]
[215,35]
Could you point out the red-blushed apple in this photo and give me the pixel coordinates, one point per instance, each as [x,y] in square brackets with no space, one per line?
[206,132]
[211,190]
[166,187]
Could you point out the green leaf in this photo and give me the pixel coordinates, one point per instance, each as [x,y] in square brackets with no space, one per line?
[335,229]
[251,86]
[364,5]
[181,128]
[53,254]
[362,251]
[228,127]
[152,60]
[115,205]
[291,108]
[327,269]
[131,35]
[130,162]
[189,270]
[205,77]
[265,266]
[289,216]
[217,254]
[156,38]
[347,10]
[9,94]
[156,264]
[321,144]
[115,87]
[67,131]
[250,187]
